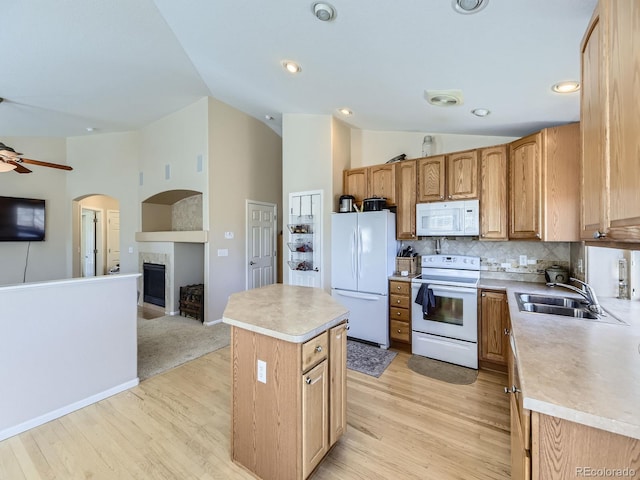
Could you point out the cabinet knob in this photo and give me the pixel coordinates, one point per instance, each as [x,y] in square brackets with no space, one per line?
[449,196]
[515,389]
[483,235]
[441,197]
[308,381]
[397,301]
[507,390]
[399,331]
[319,348]
[484,294]
[506,331]
[398,287]
[599,234]
[537,235]
[398,313]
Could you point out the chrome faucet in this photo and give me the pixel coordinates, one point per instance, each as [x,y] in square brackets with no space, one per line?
[586,291]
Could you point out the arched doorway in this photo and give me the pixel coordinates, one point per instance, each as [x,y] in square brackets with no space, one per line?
[96,235]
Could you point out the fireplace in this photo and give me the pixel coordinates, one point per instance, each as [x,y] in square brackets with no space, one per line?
[154,283]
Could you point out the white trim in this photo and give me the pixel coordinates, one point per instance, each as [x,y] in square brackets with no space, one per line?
[212,322]
[60,412]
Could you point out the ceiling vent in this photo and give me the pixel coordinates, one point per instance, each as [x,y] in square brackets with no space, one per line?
[468,6]
[444,98]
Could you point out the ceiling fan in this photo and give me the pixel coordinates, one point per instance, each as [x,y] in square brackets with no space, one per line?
[12,160]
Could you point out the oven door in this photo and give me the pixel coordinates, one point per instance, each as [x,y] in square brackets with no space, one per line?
[455,314]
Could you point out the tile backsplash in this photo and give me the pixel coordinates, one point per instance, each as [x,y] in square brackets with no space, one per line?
[502,260]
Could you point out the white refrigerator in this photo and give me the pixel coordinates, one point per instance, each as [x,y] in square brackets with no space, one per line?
[363,251]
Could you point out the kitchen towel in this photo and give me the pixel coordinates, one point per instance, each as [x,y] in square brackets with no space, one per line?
[426,298]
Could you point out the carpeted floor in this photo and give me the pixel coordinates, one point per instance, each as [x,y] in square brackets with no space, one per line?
[368,359]
[169,341]
[446,372]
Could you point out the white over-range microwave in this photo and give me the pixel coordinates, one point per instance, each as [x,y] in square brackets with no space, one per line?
[458,218]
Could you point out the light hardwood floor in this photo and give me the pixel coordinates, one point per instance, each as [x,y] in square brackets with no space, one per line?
[176,426]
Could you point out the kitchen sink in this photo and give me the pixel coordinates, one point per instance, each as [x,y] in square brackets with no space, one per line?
[558,310]
[562,306]
[550,300]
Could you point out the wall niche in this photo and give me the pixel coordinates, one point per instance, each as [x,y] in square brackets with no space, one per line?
[172,216]
[172,211]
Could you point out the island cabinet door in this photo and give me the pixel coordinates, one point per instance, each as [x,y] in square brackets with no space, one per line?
[338,382]
[315,421]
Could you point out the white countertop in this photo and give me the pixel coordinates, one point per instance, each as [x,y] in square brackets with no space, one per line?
[291,313]
[580,370]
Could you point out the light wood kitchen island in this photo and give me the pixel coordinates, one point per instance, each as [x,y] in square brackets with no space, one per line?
[288,360]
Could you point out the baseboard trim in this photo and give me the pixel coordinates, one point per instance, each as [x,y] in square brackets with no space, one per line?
[212,322]
[60,412]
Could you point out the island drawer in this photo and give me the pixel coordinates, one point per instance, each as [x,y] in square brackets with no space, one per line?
[314,351]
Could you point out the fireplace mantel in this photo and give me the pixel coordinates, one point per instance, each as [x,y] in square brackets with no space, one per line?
[197,236]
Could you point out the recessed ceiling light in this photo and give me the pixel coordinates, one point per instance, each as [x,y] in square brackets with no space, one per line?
[90,129]
[480,112]
[345,111]
[566,87]
[291,67]
[468,6]
[323,11]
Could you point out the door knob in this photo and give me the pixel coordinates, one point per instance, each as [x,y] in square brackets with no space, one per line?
[252,262]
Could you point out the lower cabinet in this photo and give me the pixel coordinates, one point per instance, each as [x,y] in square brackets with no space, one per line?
[493,324]
[544,447]
[288,401]
[400,312]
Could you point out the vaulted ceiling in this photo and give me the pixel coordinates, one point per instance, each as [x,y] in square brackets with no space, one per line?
[117,65]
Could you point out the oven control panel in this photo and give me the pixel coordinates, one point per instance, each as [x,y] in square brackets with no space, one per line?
[458,262]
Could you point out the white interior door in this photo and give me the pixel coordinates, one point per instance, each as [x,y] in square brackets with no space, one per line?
[88,242]
[261,244]
[113,238]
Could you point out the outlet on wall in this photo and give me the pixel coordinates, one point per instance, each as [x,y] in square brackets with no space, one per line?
[523,260]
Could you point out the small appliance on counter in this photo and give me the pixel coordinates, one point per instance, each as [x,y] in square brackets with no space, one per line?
[346,203]
[374,204]
[556,274]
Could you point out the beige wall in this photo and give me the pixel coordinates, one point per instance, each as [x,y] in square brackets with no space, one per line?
[178,140]
[371,147]
[47,260]
[245,164]
[107,164]
[316,149]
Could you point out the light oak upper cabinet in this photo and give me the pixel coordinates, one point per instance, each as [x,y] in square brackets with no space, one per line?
[592,136]
[493,193]
[462,175]
[611,111]
[356,182]
[382,183]
[406,199]
[450,177]
[543,185]
[431,179]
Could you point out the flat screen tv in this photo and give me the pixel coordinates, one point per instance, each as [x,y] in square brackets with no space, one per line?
[21,219]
